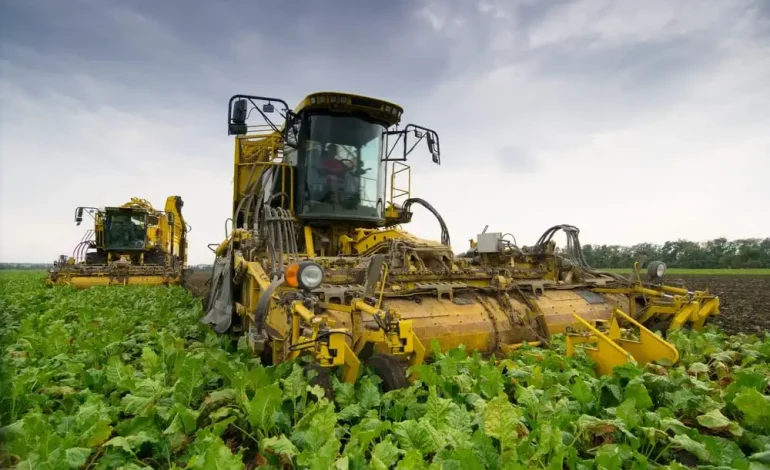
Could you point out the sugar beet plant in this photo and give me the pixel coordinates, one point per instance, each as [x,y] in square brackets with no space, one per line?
[127,378]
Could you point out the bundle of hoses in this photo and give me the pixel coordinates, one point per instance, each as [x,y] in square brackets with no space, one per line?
[574,251]
[280,237]
[444,230]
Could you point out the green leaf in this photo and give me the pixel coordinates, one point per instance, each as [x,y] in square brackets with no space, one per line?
[136,440]
[219,397]
[344,393]
[368,394]
[350,412]
[683,441]
[98,433]
[762,457]
[137,406]
[322,458]
[189,373]
[76,456]
[612,456]
[501,421]
[121,443]
[582,392]
[265,402]
[628,413]
[385,454]
[295,385]
[150,361]
[412,435]
[412,460]
[342,463]
[491,381]
[210,453]
[280,445]
[716,421]
[182,424]
[465,459]
[636,391]
[119,374]
[437,409]
[754,406]
[368,430]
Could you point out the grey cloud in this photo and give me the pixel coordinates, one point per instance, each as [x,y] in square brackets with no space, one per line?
[516,159]
[512,87]
[213,50]
[588,78]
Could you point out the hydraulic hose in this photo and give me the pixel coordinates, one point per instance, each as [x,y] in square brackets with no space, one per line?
[444,230]
[260,313]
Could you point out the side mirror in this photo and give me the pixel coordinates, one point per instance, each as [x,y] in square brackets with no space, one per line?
[419,132]
[78,215]
[237,123]
[238,111]
[433,147]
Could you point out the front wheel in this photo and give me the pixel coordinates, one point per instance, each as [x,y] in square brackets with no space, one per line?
[390,370]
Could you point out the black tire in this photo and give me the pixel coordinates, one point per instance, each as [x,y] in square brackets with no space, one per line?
[652,269]
[322,378]
[390,370]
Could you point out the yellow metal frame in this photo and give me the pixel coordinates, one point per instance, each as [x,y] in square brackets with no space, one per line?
[681,305]
[609,349]
[396,192]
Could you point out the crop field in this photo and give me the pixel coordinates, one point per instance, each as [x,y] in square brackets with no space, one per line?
[128,378]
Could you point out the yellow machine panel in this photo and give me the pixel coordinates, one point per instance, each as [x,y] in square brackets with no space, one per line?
[318,264]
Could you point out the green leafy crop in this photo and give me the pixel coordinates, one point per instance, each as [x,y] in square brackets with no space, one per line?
[127,378]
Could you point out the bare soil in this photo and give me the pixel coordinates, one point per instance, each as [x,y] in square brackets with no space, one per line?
[744,300]
[197,283]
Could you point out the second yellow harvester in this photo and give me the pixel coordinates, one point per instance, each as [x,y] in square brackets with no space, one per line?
[130,244]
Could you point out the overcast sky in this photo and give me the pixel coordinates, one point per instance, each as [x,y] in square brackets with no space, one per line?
[635,121]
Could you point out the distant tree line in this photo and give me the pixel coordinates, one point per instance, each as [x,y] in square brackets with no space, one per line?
[25,266]
[719,253]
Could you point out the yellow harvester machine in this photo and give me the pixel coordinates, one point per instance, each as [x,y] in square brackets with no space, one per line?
[317,263]
[130,244]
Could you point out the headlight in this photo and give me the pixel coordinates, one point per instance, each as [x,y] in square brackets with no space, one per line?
[311,275]
[306,275]
[656,269]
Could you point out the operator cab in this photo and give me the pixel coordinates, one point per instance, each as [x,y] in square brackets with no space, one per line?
[338,145]
[125,229]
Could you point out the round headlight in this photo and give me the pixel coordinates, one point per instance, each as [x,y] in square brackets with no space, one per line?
[656,269]
[310,275]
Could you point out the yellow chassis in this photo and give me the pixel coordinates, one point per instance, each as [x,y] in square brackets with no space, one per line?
[318,334]
[110,277]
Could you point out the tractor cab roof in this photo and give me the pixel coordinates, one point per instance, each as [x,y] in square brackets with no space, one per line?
[381,110]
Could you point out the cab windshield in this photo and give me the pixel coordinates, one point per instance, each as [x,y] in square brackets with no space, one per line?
[343,173]
[126,230]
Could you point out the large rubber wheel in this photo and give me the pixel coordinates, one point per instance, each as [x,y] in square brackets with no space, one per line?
[652,269]
[321,377]
[390,370]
